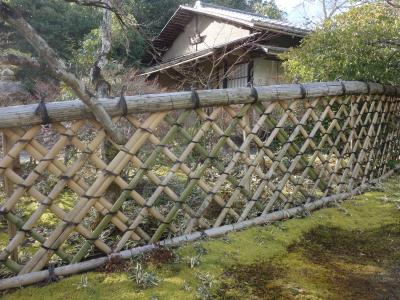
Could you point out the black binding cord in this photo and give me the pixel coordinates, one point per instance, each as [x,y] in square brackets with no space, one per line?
[52,275]
[253,92]
[368,87]
[122,102]
[344,91]
[109,173]
[384,89]
[41,111]
[195,99]
[302,91]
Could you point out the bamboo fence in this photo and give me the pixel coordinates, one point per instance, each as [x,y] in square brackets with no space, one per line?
[195,164]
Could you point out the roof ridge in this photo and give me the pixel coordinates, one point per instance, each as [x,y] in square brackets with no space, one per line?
[199,5]
[212,5]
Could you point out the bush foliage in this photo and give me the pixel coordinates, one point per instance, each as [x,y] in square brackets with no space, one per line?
[360,44]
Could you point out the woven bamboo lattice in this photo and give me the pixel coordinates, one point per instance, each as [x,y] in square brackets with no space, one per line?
[185,170]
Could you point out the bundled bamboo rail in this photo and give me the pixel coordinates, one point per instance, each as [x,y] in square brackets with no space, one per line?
[185,171]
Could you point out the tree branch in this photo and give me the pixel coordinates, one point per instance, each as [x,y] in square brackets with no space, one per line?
[104,4]
[94,3]
[57,66]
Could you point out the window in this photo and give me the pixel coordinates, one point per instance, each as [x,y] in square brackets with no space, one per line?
[238,76]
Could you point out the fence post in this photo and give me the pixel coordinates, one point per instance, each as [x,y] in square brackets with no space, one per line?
[8,190]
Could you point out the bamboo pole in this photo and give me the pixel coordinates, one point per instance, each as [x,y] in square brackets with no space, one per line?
[8,189]
[373,155]
[243,183]
[58,169]
[198,173]
[247,150]
[35,277]
[125,194]
[16,149]
[292,149]
[363,117]
[75,110]
[103,180]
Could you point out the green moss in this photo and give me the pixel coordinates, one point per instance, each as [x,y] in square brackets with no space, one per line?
[347,251]
[3,240]
[26,207]
[162,171]
[65,201]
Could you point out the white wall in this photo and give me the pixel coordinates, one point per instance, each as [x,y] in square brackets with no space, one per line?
[215,31]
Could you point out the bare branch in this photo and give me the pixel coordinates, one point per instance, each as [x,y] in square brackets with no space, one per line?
[327,9]
[57,66]
[195,74]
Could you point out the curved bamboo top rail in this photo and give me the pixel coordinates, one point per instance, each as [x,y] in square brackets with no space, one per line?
[25,115]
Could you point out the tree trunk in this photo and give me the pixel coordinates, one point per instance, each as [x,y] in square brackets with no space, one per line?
[103,89]
[57,66]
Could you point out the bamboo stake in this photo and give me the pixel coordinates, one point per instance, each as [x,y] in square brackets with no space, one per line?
[60,185]
[35,277]
[228,171]
[198,173]
[292,149]
[16,149]
[8,189]
[354,146]
[202,151]
[125,194]
[246,120]
[375,146]
[61,233]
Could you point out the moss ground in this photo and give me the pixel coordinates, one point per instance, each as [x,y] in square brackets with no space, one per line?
[348,251]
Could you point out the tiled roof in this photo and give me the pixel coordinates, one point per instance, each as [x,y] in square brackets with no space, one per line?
[245,16]
[185,13]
